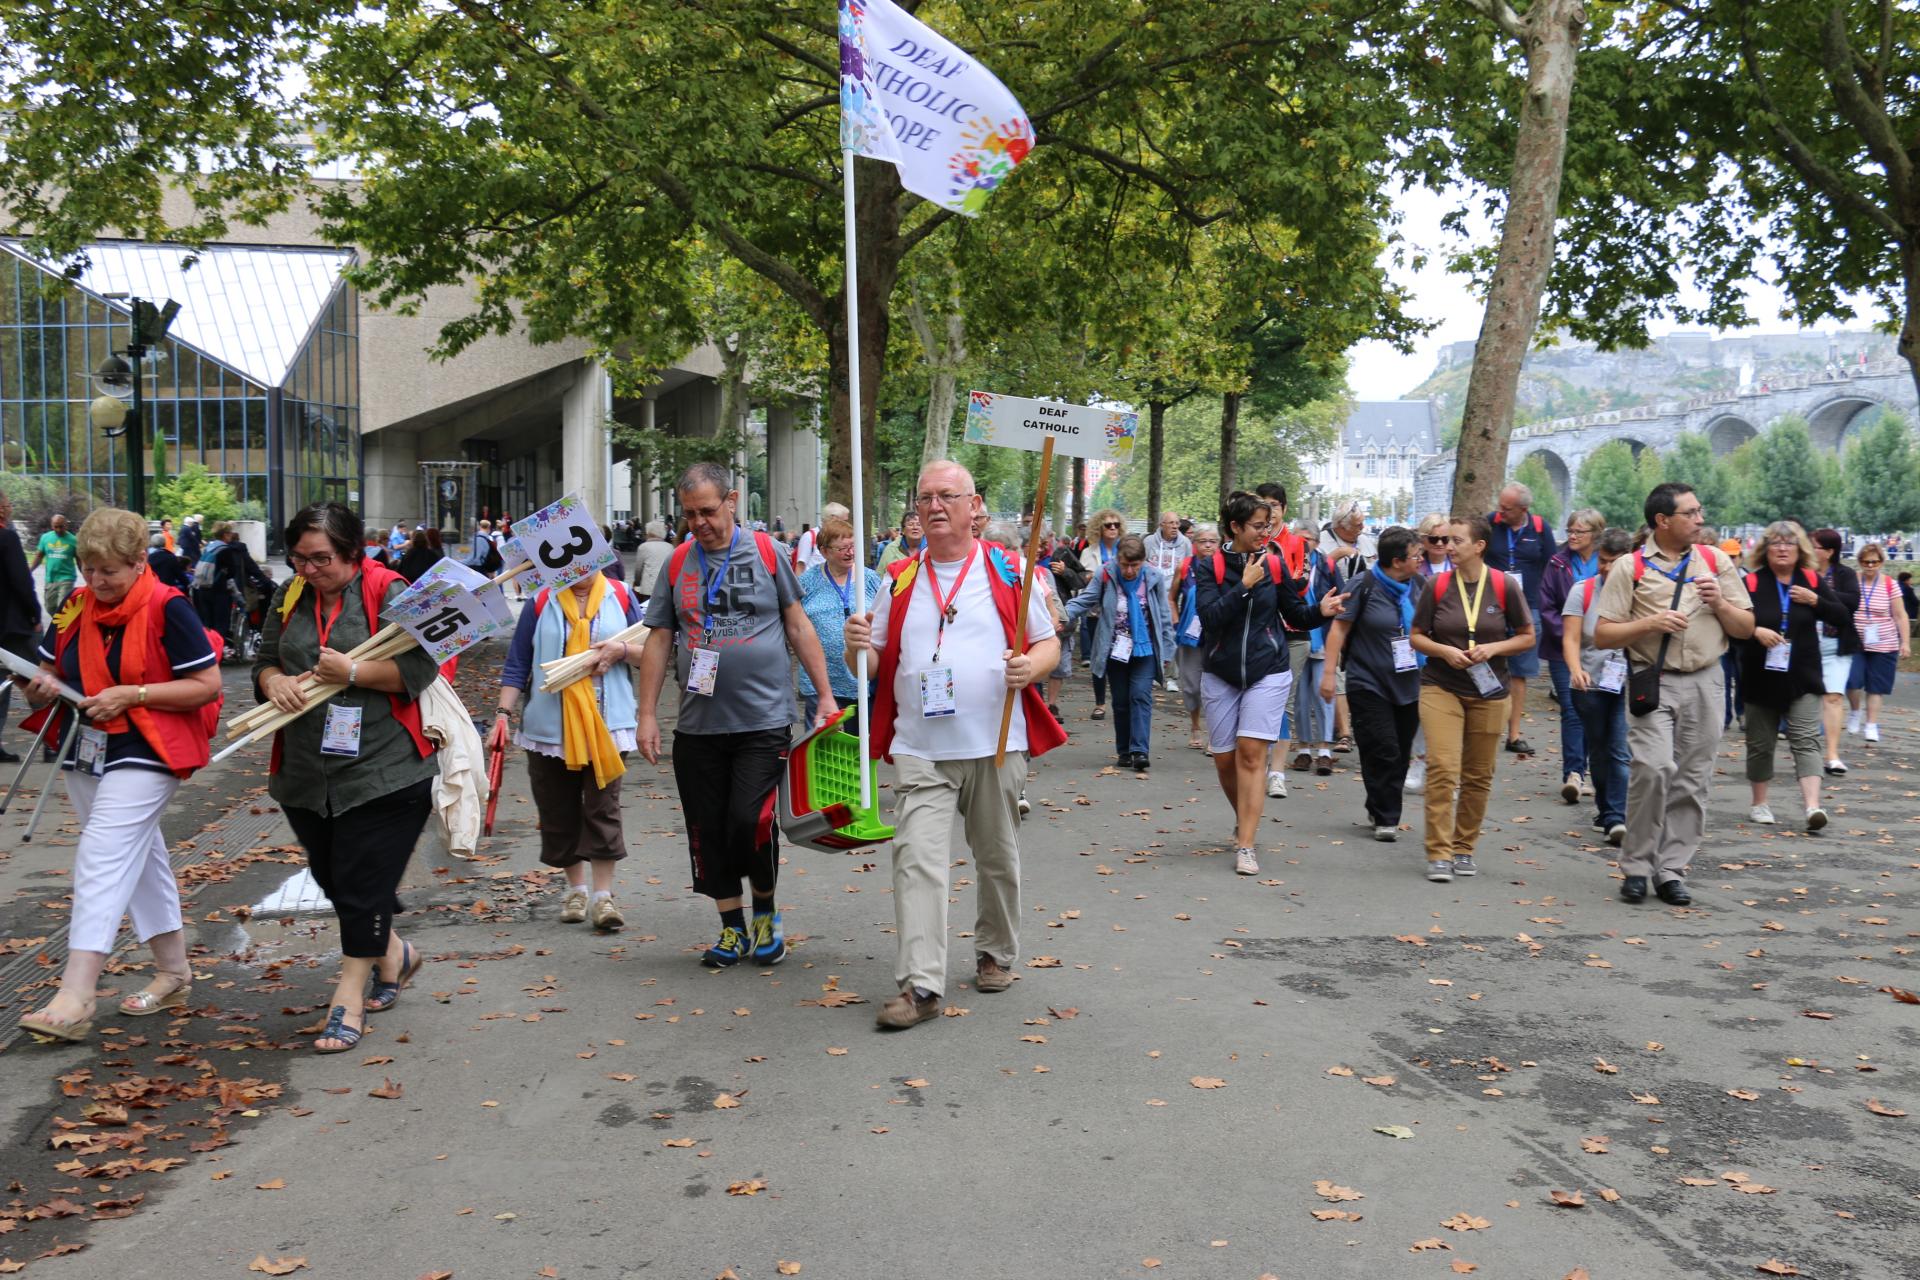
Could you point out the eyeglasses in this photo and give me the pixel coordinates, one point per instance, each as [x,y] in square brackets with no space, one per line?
[1789,542]
[944,499]
[322,561]
[1871,564]
[1437,540]
[1696,513]
[1111,524]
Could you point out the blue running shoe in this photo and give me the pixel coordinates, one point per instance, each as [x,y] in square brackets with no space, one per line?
[726,953]
[769,943]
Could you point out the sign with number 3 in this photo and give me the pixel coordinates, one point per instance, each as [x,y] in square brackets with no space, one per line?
[563,541]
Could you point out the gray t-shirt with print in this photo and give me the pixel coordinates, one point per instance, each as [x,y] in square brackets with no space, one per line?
[754,688]
[1592,658]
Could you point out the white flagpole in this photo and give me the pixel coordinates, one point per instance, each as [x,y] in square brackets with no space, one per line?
[859,486]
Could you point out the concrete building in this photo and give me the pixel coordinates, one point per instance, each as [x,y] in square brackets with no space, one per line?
[1381,446]
[281,379]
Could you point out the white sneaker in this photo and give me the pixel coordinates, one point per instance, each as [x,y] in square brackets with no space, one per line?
[1025,808]
[1386,835]
[1616,833]
[1873,733]
[1244,863]
[1761,814]
[573,907]
[1816,818]
[1586,786]
[1440,870]
[1416,777]
[1277,784]
[1855,719]
[1173,686]
[1570,789]
[1838,768]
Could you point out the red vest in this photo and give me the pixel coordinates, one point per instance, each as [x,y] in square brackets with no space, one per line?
[375,578]
[179,738]
[1003,581]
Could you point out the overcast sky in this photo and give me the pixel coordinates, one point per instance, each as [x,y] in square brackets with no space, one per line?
[1379,372]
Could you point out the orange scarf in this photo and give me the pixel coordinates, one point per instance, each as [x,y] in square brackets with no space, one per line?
[135,640]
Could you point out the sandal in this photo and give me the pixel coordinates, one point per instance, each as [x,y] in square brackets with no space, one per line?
[337,1029]
[143,1003]
[384,995]
[1099,713]
[74,1032]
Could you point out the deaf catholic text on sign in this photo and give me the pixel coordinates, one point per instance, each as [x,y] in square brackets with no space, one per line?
[1079,431]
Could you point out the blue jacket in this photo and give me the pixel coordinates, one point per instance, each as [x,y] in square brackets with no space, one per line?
[1524,551]
[1240,629]
[1102,599]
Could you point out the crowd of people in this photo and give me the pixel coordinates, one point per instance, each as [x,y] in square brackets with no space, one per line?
[1287,645]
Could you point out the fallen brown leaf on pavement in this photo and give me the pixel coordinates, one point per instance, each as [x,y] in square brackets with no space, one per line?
[678,1142]
[1432,1242]
[725,1102]
[787,1268]
[1568,1199]
[1880,1108]
[1745,1095]
[1578,1273]
[1901,994]
[272,1184]
[389,1089]
[277,1267]
[1595,1146]
[1462,1268]
[1378,1082]
[1339,1071]
[750,1187]
[1207,1082]
[1338,1194]
[1775,1267]
[1465,1222]
[1044,962]
[1334,1215]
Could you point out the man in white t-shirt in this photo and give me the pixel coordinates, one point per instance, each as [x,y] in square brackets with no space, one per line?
[942,638]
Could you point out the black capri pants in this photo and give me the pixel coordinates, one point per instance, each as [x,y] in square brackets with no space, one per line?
[728,785]
[358,858]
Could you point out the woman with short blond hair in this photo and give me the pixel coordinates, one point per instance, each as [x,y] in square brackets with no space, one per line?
[1780,666]
[135,647]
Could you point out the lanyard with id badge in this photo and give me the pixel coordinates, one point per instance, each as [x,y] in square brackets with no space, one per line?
[703,663]
[90,753]
[1781,655]
[936,681]
[1483,675]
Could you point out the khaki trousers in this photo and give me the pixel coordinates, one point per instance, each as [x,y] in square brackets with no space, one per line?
[1672,749]
[928,794]
[1463,739]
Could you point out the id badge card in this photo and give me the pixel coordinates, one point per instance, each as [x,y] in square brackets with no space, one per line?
[341,736]
[1122,648]
[1404,658]
[1779,656]
[1193,627]
[936,692]
[1519,580]
[90,756]
[703,671]
[1485,680]
[1871,635]
[1613,675]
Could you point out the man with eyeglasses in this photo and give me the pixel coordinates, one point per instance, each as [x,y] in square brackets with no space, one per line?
[942,639]
[1693,599]
[735,604]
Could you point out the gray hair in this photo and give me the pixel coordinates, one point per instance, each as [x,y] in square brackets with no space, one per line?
[1614,542]
[156,541]
[833,509]
[1519,491]
[1003,533]
[1351,509]
[1206,527]
[656,530]
[1587,518]
[705,473]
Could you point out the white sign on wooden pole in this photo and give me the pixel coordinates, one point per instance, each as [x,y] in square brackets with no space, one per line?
[1079,431]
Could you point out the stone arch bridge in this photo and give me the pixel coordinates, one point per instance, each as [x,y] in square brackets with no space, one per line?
[1834,408]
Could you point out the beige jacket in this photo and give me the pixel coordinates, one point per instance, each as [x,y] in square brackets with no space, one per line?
[460,792]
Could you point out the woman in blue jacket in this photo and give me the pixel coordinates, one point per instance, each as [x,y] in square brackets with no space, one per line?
[1132,635]
[1244,593]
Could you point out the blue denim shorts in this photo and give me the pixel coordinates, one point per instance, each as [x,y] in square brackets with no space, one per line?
[1524,666]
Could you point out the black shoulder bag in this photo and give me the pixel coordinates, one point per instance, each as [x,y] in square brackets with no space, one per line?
[1643,683]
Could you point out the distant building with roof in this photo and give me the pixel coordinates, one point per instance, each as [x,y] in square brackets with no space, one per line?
[1382,444]
[285,382]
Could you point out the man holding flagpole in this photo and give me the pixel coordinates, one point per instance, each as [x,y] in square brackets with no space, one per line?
[937,717]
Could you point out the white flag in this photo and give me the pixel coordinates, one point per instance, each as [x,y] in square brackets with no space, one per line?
[913,98]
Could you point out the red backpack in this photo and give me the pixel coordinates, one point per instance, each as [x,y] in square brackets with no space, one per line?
[1444,579]
[1276,571]
[620,593]
[1813,582]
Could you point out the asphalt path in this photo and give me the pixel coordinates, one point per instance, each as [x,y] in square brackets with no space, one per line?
[1335,1069]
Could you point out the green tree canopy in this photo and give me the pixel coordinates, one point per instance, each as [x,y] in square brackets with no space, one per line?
[1786,476]
[1533,473]
[1616,483]
[1690,461]
[1883,477]
[194,491]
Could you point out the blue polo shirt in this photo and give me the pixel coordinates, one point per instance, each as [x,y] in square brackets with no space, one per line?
[1523,551]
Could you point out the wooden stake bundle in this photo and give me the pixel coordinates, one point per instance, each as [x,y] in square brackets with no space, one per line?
[574,668]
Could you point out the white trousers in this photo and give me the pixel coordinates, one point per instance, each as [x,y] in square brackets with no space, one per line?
[121,865]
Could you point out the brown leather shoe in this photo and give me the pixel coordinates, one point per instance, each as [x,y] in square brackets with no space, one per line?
[906,1010]
[990,975]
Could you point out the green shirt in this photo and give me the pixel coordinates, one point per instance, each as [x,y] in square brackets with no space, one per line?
[388,760]
[58,549]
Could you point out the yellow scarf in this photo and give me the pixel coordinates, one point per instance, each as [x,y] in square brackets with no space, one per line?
[583,731]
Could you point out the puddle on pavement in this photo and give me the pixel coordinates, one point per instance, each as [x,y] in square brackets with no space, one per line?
[297,893]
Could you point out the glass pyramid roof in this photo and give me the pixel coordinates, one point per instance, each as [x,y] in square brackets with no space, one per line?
[249,307]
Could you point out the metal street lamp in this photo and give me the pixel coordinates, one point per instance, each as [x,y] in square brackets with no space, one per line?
[117,411]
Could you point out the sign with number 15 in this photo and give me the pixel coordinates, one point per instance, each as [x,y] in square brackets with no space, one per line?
[563,541]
